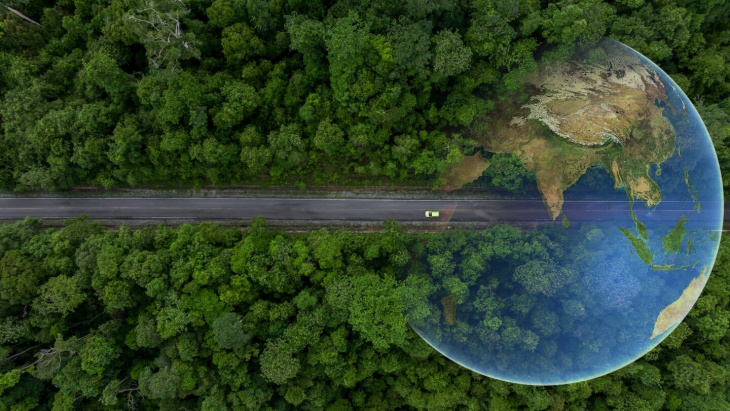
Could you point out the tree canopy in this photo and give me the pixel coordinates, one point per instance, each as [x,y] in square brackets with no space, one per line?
[151,92]
[210,317]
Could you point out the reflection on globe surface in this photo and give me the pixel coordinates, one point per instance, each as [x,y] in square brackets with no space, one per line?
[621,157]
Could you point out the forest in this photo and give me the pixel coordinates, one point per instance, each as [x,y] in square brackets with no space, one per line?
[120,93]
[200,93]
[214,318]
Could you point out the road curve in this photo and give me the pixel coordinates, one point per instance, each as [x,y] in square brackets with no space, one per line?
[316,209]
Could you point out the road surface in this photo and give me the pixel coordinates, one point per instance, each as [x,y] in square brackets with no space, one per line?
[317,209]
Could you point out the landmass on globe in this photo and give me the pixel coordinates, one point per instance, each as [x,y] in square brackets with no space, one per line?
[672,242]
[603,108]
[676,311]
[597,110]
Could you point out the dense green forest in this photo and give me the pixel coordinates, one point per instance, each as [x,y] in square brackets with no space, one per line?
[214,318]
[142,92]
[119,93]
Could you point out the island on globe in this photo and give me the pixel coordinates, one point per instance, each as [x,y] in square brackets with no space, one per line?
[618,151]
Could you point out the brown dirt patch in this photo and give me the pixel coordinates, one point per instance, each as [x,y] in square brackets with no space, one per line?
[465,171]
[449,306]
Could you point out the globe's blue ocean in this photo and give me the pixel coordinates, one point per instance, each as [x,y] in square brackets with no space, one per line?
[603,313]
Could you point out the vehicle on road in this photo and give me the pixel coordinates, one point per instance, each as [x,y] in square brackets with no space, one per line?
[432,214]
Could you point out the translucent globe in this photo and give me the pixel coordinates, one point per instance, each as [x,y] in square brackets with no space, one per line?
[629,176]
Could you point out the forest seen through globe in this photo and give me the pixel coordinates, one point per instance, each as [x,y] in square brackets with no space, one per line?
[619,152]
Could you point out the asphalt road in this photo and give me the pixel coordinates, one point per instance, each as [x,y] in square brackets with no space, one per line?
[244,208]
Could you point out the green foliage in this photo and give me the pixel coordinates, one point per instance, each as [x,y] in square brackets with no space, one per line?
[346,42]
[97,353]
[9,379]
[241,101]
[154,92]
[240,43]
[228,331]
[375,297]
[717,119]
[221,13]
[163,384]
[322,315]
[161,28]
[409,46]
[542,277]
[19,278]
[277,363]
[60,295]
[329,138]
[507,172]
[451,56]
[568,21]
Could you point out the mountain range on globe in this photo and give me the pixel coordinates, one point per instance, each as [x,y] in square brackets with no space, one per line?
[604,130]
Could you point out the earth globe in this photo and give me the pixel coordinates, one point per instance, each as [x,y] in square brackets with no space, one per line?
[629,178]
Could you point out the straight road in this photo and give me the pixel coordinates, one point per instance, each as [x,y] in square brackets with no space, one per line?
[244,208]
